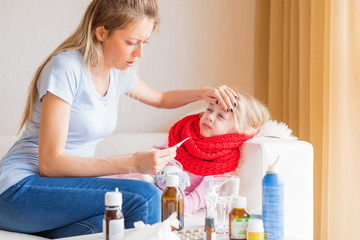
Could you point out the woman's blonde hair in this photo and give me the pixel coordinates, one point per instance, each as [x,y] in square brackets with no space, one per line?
[250,114]
[113,15]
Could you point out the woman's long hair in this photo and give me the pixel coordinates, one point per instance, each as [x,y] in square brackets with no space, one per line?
[113,15]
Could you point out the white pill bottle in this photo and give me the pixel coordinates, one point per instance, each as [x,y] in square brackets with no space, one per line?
[255,229]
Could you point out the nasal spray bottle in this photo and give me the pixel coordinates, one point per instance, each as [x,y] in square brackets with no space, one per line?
[273,203]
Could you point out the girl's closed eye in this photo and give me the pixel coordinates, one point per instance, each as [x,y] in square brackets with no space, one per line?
[222,116]
[209,110]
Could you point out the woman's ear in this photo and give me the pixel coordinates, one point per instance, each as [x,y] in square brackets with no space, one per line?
[100,33]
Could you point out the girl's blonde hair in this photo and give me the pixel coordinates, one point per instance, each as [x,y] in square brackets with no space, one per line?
[113,15]
[250,114]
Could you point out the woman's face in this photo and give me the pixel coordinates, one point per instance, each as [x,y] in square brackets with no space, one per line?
[125,46]
[215,121]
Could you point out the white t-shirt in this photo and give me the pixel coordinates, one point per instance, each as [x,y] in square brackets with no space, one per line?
[92,117]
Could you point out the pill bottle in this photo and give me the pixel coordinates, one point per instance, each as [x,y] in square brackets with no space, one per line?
[255,229]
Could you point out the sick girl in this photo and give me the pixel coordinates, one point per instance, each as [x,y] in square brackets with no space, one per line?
[213,147]
[215,138]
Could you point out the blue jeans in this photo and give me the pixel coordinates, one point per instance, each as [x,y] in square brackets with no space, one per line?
[63,207]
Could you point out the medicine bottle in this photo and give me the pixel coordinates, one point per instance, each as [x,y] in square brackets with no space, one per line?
[172,200]
[113,223]
[210,233]
[273,203]
[238,218]
[255,229]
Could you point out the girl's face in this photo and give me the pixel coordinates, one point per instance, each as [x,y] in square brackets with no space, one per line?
[125,46]
[215,121]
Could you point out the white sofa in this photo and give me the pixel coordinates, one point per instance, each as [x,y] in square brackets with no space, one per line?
[296,165]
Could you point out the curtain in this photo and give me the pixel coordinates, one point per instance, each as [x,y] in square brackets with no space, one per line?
[307,54]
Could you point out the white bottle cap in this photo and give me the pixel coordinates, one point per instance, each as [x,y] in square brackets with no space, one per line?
[113,198]
[172,181]
[239,202]
[274,168]
[255,225]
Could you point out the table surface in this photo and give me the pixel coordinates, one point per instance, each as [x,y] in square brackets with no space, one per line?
[191,222]
[194,222]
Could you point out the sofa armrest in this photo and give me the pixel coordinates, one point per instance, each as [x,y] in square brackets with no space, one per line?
[296,167]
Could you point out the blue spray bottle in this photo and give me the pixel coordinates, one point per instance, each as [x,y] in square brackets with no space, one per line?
[273,203]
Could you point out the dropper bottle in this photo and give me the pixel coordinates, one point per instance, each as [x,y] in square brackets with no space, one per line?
[113,223]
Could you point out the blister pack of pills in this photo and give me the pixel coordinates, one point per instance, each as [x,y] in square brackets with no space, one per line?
[191,234]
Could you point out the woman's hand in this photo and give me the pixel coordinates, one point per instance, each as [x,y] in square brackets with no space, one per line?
[153,160]
[223,95]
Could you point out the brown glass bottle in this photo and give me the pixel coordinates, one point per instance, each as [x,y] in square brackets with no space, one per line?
[210,233]
[113,223]
[238,218]
[172,200]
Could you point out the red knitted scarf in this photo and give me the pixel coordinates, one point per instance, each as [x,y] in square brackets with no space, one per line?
[205,156]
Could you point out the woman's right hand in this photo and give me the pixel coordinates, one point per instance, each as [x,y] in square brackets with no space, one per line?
[153,160]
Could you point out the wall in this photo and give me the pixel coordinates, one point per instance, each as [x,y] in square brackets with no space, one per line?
[200,43]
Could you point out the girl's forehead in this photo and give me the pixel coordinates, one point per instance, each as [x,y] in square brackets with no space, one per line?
[217,107]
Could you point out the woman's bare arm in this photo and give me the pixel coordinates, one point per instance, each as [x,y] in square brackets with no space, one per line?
[54,162]
[172,99]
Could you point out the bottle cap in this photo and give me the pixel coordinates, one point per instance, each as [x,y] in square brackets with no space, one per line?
[113,198]
[209,222]
[255,225]
[274,168]
[239,202]
[172,181]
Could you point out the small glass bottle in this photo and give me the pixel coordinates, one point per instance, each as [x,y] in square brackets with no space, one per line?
[172,200]
[210,233]
[113,223]
[238,218]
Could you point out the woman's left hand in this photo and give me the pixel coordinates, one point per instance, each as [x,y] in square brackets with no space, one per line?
[223,95]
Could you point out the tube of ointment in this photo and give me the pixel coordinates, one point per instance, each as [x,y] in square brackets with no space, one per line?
[179,144]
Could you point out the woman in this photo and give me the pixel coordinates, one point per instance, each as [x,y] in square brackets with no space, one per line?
[48,183]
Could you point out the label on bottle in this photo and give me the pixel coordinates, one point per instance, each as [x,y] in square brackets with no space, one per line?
[238,228]
[255,236]
[116,229]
